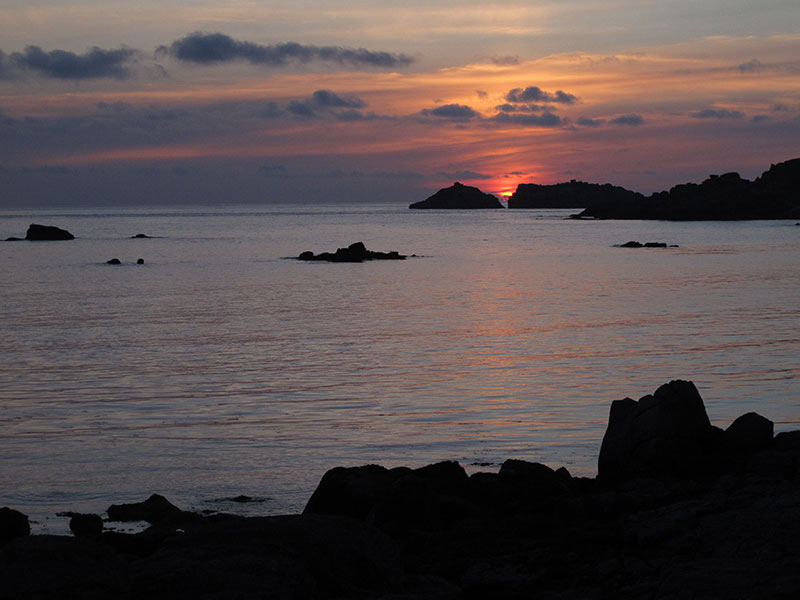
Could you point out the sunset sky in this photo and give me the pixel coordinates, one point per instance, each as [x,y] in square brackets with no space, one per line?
[196,102]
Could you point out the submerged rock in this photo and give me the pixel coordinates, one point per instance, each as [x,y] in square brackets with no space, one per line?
[356,252]
[47,233]
[459,197]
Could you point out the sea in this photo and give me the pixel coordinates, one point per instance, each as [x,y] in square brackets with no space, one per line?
[228,376]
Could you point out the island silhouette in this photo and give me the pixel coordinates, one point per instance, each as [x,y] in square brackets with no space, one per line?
[727,197]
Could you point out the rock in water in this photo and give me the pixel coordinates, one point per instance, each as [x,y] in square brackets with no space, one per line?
[89,526]
[459,196]
[356,252]
[13,524]
[114,261]
[47,233]
[156,508]
[666,433]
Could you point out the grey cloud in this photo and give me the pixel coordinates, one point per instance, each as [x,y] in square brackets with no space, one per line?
[629,120]
[525,108]
[458,112]
[482,94]
[5,66]
[760,118]
[546,119]
[211,48]
[587,122]
[536,94]
[752,66]
[328,98]
[722,113]
[300,109]
[60,64]
[270,111]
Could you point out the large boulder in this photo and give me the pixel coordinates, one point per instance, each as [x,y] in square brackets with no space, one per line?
[459,197]
[665,433]
[13,524]
[47,233]
[751,431]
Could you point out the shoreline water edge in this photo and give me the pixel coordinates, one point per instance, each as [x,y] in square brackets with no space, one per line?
[679,509]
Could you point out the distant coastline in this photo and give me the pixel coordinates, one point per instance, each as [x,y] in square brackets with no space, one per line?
[727,197]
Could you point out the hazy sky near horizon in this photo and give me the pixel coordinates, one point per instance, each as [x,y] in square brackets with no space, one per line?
[181,102]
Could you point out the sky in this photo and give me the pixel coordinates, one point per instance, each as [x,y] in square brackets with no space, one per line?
[179,102]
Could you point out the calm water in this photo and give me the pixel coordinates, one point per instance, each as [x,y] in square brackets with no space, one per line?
[221,368]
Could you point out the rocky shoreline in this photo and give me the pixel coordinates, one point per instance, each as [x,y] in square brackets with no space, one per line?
[679,509]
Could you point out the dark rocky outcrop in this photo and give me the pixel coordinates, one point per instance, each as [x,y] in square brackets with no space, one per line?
[635,244]
[153,510]
[139,261]
[114,261]
[86,525]
[140,236]
[773,195]
[681,509]
[573,194]
[459,197]
[47,233]
[13,524]
[356,252]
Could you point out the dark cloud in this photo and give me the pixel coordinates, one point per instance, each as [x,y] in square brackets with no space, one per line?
[211,48]
[722,113]
[752,66]
[629,120]
[461,175]
[329,98]
[300,108]
[760,118]
[587,122]
[524,108]
[325,103]
[270,111]
[536,94]
[5,67]
[482,94]
[455,112]
[546,119]
[60,64]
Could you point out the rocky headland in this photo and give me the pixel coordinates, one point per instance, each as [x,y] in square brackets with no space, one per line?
[728,197]
[459,197]
[574,194]
[679,509]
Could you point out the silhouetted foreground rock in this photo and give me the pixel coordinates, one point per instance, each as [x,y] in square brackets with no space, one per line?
[681,509]
[773,195]
[356,252]
[574,194]
[47,233]
[459,197]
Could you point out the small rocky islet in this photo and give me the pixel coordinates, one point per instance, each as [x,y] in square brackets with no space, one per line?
[679,509]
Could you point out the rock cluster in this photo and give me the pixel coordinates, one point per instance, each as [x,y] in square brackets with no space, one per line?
[680,509]
[459,197]
[356,252]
